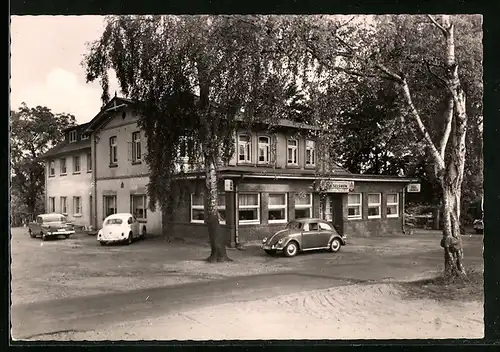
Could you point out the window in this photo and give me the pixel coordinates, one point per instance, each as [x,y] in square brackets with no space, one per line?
[63,166]
[76,164]
[292,152]
[64,206]
[85,136]
[72,136]
[109,205]
[354,206]
[52,168]
[325,226]
[52,204]
[248,208]
[138,206]
[310,153]
[303,205]
[373,205]
[198,208]
[77,206]
[264,149]
[89,162]
[136,146]
[113,153]
[277,208]
[244,148]
[392,205]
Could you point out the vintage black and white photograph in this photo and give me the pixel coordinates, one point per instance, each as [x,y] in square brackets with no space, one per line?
[246,177]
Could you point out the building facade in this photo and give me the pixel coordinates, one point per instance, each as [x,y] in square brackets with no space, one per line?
[277,173]
[68,177]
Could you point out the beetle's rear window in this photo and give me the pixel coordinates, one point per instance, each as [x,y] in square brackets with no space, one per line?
[114,222]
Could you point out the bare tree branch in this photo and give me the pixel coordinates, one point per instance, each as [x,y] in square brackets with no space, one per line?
[436,23]
[441,79]
[448,120]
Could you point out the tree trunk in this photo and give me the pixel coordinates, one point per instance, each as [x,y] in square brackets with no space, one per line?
[217,239]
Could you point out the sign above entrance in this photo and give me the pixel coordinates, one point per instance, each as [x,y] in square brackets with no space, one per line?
[413,188]
[228,185]
[329,186]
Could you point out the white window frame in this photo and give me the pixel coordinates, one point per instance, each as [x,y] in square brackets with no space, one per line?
[278,207]
[52,168]
[392,204]
[144,205]
[266,146]
[311,148]
[77,207]
[305,206]
[243,207]
[52,205]
[358,205]
[89,162]
[61,166]
[373,205]
[64,205]
[294,149]
[202,207]
[113,150]
[72,136]
[75,164]
[247,145]
[104,203]
[136,146]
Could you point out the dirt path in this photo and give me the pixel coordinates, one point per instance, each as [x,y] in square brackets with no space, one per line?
[346,312]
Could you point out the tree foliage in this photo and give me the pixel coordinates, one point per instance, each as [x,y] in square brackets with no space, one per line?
[33,131]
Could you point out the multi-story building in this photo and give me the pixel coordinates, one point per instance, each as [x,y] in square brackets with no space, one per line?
[277,173]
[68,177]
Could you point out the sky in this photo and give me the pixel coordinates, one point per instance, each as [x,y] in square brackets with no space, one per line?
[46,56]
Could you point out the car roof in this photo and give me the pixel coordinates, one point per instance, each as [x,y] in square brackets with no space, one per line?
[119,216]
[50,215]
[309,220]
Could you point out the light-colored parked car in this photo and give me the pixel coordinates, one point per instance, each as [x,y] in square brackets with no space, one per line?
[121,227]
[478,226]
[304,235]
[50,225]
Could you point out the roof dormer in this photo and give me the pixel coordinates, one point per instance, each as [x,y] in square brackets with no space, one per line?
[72,136]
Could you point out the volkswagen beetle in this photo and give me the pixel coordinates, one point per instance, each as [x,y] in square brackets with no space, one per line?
[304,235]
[121,227]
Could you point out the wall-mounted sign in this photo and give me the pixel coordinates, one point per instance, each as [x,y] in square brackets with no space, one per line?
[228,185]
[413,188]
[329,186]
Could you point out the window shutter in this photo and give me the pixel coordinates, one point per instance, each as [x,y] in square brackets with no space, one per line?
[274,149]
[129,147]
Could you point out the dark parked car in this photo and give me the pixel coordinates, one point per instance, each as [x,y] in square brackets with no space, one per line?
[304,235]
[52,225]
[478,226]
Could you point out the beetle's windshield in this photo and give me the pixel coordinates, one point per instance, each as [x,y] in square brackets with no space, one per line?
[114,222]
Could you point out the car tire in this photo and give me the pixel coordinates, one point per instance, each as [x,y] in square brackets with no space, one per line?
[44,237]
[270,251]
[479,231]
[103,243]
[31,233]
[335,245]
[143,233]
[291,249]
[66,236]
[130,238]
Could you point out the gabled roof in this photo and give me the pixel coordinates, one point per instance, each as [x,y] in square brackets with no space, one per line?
[115,104]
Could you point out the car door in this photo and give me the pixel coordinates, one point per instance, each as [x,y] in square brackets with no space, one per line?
[310,235]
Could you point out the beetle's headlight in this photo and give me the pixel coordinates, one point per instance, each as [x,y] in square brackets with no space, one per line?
[264,240]
[280,241]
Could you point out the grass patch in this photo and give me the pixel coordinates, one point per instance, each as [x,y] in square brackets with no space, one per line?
[470,288]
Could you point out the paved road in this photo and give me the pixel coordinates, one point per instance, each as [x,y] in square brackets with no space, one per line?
[313,271]
[84,313]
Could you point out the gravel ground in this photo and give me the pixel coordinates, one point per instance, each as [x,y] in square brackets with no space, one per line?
[348,312]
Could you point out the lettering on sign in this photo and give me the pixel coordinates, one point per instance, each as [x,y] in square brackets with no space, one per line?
[329,186]
[413,188]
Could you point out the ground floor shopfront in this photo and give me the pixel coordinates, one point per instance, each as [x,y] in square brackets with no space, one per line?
[256,207]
